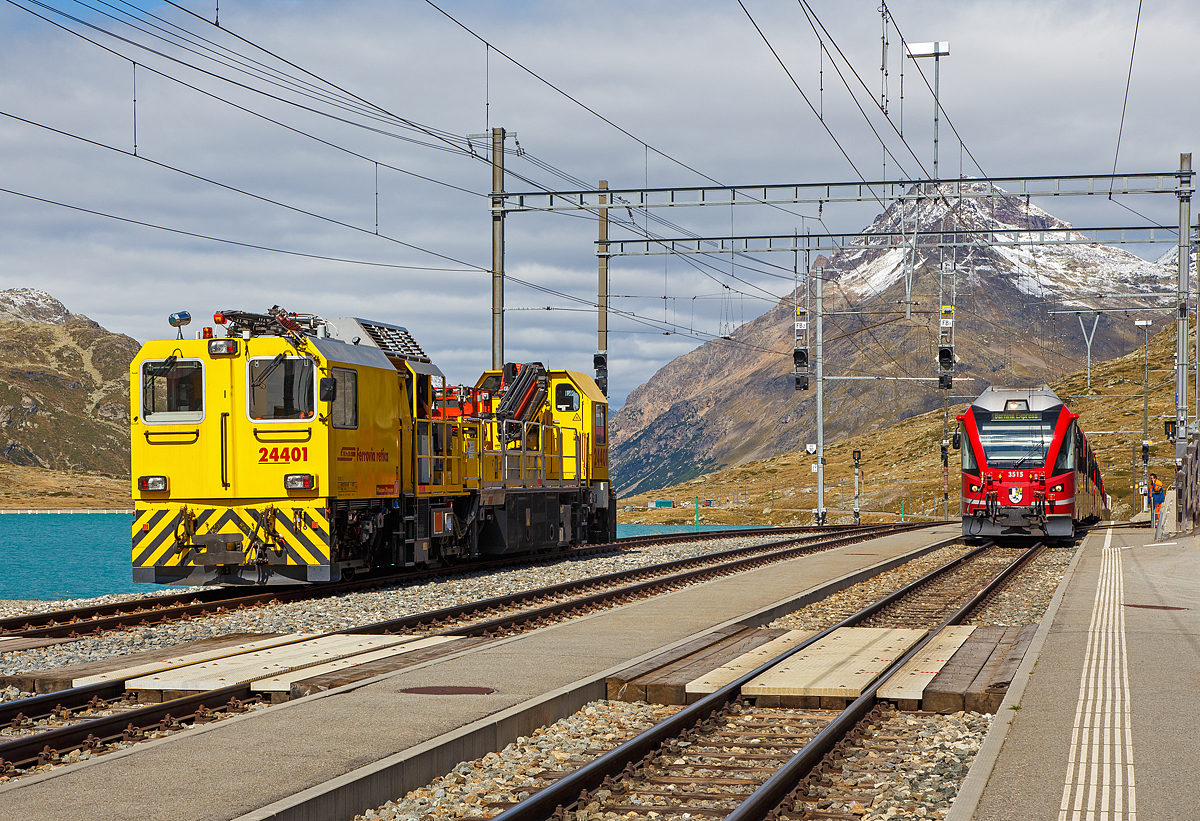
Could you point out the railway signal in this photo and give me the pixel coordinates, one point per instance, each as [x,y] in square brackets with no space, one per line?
[857,461]
[946,357]
[600,363]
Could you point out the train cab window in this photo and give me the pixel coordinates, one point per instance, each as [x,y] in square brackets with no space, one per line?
[282,388]
[566,398]
[343,410]
[601,424]
[1015,439]
[172,391]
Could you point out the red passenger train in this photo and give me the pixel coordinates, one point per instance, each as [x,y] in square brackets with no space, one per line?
[1027,467]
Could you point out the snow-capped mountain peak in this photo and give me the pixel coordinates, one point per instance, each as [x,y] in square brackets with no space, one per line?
[32,305]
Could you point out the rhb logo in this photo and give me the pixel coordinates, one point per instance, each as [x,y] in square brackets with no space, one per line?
[348,453]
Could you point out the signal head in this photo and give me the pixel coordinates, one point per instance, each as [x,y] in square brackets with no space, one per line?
[800,358]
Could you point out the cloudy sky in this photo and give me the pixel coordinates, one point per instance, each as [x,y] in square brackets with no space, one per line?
[1032,88]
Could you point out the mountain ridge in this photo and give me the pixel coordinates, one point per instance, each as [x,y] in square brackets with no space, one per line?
[64,387]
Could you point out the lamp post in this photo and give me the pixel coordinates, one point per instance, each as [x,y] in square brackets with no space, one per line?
[936,50]
[1144,324]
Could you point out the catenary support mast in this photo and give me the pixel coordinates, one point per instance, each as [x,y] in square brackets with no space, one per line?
[497,248]
[819,275]
[1181,322]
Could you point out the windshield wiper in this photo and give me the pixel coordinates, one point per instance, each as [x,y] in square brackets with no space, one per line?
[165,367]
[270,369]
[1032,449]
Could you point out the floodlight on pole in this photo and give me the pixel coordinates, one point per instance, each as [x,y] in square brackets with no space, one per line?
[1145,324]
[936,50]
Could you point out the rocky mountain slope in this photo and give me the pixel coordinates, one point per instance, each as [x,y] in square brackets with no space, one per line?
[64,387]
[732,400]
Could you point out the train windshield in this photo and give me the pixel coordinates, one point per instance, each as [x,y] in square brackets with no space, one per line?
[281,388]
[172,390]
[1016,439]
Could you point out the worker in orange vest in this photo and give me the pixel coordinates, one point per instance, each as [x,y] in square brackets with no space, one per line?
[1157,494]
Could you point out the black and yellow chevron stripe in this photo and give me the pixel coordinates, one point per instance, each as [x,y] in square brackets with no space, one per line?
[161,532]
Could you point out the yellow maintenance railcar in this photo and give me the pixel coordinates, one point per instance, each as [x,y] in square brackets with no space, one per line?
[299,449]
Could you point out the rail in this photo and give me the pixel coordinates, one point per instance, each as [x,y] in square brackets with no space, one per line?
[545,803]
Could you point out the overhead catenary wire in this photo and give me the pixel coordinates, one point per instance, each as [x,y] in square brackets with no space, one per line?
[242,191]
[941,108]
[210,238]
[365,126]
[309,135]
[1125,102]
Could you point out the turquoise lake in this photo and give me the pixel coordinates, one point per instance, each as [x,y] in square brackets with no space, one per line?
[50,556]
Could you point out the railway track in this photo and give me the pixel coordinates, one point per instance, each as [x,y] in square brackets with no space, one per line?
[52,725]
[161,609]
[726,757]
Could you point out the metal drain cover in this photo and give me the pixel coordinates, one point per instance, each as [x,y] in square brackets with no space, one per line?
[445,690]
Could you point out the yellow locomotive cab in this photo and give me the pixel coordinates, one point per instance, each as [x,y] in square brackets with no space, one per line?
[298,449]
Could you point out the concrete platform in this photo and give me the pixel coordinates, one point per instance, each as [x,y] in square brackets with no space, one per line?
[1105,725]
[333,754]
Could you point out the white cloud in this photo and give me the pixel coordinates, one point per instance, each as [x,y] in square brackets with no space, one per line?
[1034,88]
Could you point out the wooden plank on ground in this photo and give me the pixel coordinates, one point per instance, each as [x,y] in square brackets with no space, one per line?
[248,667]
[909,682]
[841,665]
[668,685]
[733,669]
[74,675]
[11,644]
[1016,654]
[282,681]
[946,693]
[328,681]
[977,698]
[618,684]
[213,652]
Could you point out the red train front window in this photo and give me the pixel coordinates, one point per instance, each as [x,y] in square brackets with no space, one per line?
[1015,439]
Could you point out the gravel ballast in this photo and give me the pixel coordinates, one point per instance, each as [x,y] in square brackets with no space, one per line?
[511,774]
[912,765]
[354,609]
[845,603]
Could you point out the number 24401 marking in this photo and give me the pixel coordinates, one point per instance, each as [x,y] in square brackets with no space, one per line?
[284,455]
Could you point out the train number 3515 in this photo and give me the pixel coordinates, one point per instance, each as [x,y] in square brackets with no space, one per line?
[282,455]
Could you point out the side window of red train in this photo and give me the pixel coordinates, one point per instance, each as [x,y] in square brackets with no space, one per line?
[969,465]
[1066,452]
